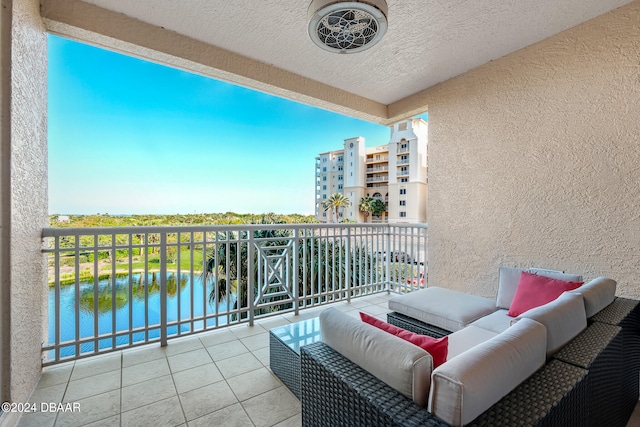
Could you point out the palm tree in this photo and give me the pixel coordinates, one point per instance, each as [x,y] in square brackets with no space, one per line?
[365,206]
[335,202]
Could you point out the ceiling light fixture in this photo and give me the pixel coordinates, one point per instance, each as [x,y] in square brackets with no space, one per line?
[347,26]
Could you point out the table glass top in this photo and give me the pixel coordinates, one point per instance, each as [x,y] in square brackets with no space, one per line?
[299,334]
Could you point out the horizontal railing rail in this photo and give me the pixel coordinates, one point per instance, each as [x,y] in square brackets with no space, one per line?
[116,287]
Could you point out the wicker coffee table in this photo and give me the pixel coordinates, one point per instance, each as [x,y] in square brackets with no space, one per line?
[284,350]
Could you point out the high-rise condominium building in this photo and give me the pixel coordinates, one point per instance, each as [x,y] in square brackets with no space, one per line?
[395,173]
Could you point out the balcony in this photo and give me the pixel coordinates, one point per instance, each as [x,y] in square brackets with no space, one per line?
[214,378]
[188,348]
[377,159]
[115,288]
[378,179]
[378,168]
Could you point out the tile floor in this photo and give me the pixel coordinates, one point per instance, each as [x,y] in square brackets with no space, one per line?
[219,378]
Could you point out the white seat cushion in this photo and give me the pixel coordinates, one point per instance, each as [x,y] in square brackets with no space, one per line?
[441,307]
[467,385]
[467,338]
[402,365]
[498,321]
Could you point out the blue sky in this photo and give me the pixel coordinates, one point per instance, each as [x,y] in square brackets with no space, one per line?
[128,136]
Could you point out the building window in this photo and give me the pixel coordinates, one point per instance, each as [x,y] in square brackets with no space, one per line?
[324,196]
[403,146]
[403,191]
[324,214]
[404,179]
[340,167]
[324,160]
[340,158]
[324,178]
[340,177]
[339,186]
[324,187]
[403,214]
[403,202]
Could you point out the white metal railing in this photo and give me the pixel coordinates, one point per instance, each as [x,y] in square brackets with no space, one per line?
[118,287]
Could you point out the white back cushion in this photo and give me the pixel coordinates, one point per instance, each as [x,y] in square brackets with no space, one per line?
[467,385]
[402,365]
[597,294]
[509,277]
[563,317]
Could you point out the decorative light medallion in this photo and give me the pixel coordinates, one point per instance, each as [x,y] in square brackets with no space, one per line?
[347,27]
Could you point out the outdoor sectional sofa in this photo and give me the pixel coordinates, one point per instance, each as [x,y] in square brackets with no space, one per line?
[571,361]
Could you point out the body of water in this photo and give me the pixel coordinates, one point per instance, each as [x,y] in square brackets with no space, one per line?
[132,309]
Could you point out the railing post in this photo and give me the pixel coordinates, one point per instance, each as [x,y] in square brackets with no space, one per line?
[387,256]
[347,263]
[294,272]
[250,276]
[163,289]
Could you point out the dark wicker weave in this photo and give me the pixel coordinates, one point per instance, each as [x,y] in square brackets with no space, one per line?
[599,350]
[416,326]
[553,396]
[337,392]
[625,313]
[285,363]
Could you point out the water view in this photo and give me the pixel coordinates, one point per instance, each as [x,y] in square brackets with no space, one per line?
[131,310]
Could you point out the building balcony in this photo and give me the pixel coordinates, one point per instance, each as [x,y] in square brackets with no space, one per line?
[136,329]
[214,378]
[403,162]
[377,159]
[378,178]
[377,169]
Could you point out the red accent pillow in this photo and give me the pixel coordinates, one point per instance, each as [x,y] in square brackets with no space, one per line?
[436,347]
[534,290]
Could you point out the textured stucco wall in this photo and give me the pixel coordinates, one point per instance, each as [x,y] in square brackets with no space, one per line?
[28,204]
[534,160]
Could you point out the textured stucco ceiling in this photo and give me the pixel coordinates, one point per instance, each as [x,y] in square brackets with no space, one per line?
[427,41]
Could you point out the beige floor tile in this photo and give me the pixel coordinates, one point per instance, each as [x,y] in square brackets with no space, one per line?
[272,407]
[96,365]
[166,412]
[197,377]
[222,336]
[273,322]
[238,365]
[226,350]
[634,420]
[253,383]
[146,392]
[256,342]
[188,360]
[107,422]
[375,310]
[295,421]
[182,345]
[147,353]
[90,386]
[262,355]
[38,419]
[54,375]
[53,393]
[94,408]
[231,416]
[244,331]
[145,371]
[206,400]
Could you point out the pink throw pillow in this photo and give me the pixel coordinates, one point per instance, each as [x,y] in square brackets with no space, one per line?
[436,347]
[534,290]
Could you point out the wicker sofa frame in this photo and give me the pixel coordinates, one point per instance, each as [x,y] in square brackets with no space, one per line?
[586,383]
